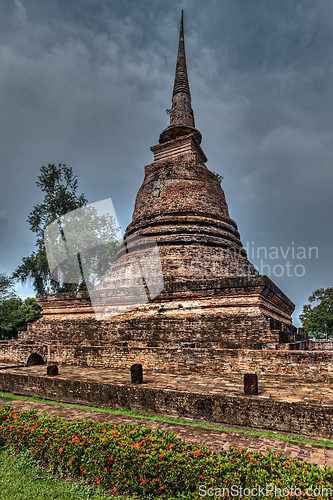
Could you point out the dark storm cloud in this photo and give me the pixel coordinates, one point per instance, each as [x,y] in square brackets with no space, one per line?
[87,83]
[3,221]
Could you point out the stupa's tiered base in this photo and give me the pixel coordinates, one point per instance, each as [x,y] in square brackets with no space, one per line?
[228,328]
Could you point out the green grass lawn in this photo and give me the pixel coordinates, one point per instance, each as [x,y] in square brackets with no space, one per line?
[129,413]
[21,478]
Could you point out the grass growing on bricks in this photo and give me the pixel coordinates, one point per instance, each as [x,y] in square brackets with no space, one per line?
[172,420]
[134,460]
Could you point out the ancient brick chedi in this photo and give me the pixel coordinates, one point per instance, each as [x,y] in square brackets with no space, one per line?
[213,301]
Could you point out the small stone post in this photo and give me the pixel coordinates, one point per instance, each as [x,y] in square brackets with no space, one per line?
[52,370]
[136,374]
[251,384]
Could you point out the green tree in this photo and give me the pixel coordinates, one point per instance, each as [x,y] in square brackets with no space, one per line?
[83,246]
[319,316]
[6,287]
[6,293]
[60,187]
[15,314]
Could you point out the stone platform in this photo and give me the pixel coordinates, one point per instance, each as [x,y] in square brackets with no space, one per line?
[285,405]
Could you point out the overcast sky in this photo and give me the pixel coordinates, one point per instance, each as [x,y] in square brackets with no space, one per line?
[87,83]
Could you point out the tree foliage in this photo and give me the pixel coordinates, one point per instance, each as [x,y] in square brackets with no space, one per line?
[59,185]
[6,287]
[83,246]
[319,316]
[15,313]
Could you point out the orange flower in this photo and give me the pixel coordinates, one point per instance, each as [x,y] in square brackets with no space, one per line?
[61,450]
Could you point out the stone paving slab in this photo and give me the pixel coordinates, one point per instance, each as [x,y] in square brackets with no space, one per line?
[212,438]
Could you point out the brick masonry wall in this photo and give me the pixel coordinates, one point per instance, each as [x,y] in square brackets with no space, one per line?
[244,410]
[229,313]
[203,330]
[313,366]
[323,345]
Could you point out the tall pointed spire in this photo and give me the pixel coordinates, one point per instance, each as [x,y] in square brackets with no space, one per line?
[181,78]
[181,116]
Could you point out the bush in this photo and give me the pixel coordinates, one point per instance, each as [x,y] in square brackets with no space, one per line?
[132,459]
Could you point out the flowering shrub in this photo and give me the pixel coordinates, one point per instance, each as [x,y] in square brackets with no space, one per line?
[136,460]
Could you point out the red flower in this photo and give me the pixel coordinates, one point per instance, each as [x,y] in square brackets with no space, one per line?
[61,450]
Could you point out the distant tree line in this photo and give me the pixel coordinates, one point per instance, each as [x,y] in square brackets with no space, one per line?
[15,313]
[317,317]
